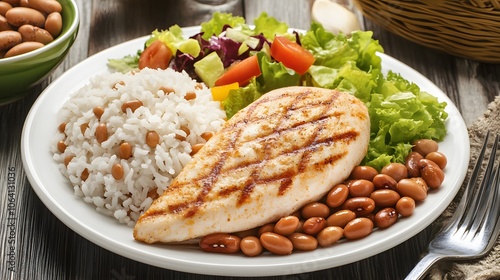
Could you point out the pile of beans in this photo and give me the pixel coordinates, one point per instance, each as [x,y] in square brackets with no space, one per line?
[368,199]
[26,25]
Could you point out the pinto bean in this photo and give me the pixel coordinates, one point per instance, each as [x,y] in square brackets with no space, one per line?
[250,246]
[101,133]
[62,127]
[425,146]
[396,170]
[190,95]
[46,6]
[313,225]
[220,243]
[18,16]
[4,24]
[61,146]
[207,135]
[385,217]
[329,235]
[23,48]
[341,218]
[117,171]
[132,105]
[9,39]
[385,197]
[35,34]
[384,181]
[361,187]
[286,225]
[303,242]
[415,188]
[358,228]
[360,205]
[363,172]
[315,209]
[152,139]
[405,206]
[125,150]
[337,195]
[438,158]
[67,160]
[4,7]
[196,148]
[411,163]
[98,111]
[53,24]
[431,173]
[276,244]
[84,175]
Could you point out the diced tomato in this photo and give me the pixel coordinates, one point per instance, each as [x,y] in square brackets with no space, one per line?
[291,54]
[156,56]
[240,72]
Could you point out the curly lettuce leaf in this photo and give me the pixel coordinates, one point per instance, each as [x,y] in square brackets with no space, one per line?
[174,39]
[219,22]
[240,98]
[334,51]
[348,78]
[401,113]
[269,26]
[274,75]
[126,63]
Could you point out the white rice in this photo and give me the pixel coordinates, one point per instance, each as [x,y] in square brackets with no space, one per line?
[149,169]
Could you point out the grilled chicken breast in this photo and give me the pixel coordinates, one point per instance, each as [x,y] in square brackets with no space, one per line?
[286,149]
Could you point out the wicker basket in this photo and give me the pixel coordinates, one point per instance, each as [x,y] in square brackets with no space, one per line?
[466,28]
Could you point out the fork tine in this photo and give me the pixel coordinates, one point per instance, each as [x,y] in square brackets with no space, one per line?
[468,195]
[481,210]
[493,220]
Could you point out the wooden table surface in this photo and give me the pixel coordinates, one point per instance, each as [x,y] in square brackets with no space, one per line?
[47,249]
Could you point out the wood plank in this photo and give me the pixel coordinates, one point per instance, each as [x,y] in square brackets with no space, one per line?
[114,22]
[281,10]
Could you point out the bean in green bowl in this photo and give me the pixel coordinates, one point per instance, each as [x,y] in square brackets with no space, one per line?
[19,73]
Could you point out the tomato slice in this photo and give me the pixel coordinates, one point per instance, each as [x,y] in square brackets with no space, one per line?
[240,72]
[291,54]
[156,56]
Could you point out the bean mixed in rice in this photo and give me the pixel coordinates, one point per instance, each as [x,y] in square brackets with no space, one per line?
[124,137]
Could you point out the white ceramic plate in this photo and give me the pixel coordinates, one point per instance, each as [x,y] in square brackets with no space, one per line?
[57,194]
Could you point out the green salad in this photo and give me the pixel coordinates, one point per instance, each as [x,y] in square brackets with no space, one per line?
[241,62]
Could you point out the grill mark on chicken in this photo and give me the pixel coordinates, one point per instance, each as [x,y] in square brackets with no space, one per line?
[208,182]
[286,149]
[284,179]
[309,147]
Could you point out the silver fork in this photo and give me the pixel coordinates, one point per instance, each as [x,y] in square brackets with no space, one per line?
[475,225]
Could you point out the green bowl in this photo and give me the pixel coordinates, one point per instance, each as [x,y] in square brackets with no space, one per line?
[19,73]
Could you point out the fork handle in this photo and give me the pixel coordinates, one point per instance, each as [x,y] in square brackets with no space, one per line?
[420,270]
